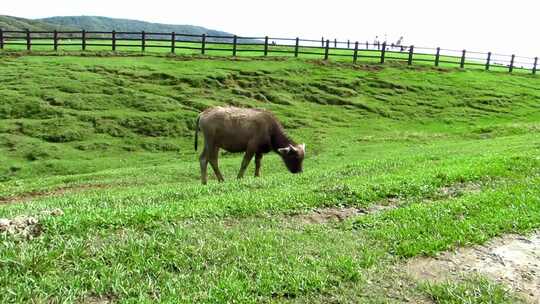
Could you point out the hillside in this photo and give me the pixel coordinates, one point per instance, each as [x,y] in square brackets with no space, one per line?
[119,106]
[101,196]
[95,23]
[19,24]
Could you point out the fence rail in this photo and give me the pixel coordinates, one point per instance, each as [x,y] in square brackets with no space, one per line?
[237,45]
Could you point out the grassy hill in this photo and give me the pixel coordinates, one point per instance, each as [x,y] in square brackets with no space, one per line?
[148,104]
[96,23]
[18,24]
[445,157]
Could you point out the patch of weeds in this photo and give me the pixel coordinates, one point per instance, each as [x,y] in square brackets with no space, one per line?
[36,154]
[17,107]
[473,290]
[57,130]
[111,128]
[338,194]
[93,146]
[156,146]
[245,93]
[171,126]
[334,90]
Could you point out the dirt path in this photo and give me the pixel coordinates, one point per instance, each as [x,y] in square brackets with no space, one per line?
[336,214]
[28,196]
[511,260]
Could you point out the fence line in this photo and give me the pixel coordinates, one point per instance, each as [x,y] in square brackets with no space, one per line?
[326,48]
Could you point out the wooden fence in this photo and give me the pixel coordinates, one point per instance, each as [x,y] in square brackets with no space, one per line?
[265,46]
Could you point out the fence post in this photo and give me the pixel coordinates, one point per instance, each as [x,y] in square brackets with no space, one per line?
[383,51]
[348,44]
[203,44]
[55,40]
[296,47]
[83,37]
[534,66]
[488,61]
[173,42]
[367,45]
[1,39]
[411,51]
[335,43]
[322,41]
[511,68]
[462,63]
[113,40]
[437,56]
[234,46]
[28,41]
[326,49]
[143,41]
[266,46]
[355,54]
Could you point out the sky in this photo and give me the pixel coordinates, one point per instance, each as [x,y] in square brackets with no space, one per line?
[505,27]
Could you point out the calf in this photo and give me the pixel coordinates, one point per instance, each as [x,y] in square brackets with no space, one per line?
[252,131]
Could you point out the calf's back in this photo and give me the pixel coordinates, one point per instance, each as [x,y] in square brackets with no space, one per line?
[234,128]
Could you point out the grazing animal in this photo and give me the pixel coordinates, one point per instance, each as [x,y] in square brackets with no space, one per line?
[252,131]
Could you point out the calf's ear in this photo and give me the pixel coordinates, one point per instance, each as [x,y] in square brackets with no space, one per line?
[303,146]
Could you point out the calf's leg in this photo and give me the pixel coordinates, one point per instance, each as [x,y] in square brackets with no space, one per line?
[213,158]
[245,162]
[258,158]
[203,160]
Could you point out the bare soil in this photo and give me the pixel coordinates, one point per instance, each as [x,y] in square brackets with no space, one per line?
[459,189]
[28,196]
[512,260]
[336,214]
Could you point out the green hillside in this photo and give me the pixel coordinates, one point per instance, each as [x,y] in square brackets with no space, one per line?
[105,24]
[95,23]
[82,107]
[18,24]
[428,159]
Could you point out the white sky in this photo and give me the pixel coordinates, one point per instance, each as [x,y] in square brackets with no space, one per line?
[500,26]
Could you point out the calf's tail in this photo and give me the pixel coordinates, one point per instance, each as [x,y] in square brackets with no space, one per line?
[197,131]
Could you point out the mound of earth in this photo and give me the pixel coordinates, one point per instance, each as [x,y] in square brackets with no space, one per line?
[512,260]
[26,227]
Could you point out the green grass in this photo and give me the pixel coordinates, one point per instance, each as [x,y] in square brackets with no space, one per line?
[471,291]
[139,227]
[422,57]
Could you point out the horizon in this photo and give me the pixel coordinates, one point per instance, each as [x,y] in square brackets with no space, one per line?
[421,25]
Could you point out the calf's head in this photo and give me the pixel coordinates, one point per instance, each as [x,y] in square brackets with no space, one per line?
[293,156]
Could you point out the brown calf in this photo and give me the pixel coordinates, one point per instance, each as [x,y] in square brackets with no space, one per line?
[251,130]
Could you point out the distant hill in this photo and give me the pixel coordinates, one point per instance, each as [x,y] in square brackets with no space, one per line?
[11,23]
[95,23]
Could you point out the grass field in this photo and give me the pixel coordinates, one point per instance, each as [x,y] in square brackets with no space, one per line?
[422,56]
[453,154]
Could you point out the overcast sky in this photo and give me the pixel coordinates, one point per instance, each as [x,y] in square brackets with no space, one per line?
[500,26]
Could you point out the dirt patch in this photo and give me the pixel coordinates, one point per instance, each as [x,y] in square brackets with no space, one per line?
[459,189]
[336,214]
[324,215]
[24,197]
[26,227]
[511,260]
